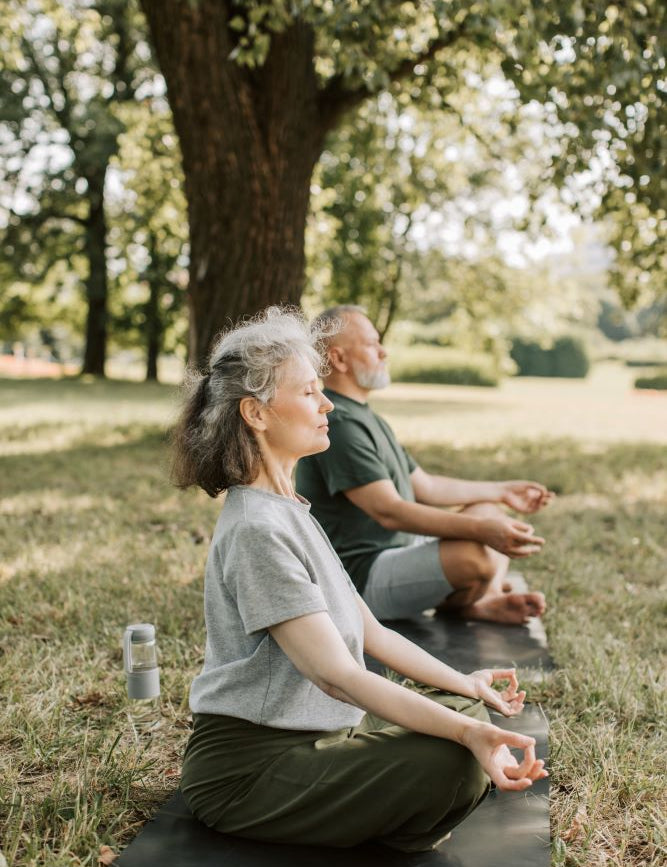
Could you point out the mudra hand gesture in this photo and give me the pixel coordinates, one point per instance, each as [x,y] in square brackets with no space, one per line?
[491,745]
[509,701]
[526,497]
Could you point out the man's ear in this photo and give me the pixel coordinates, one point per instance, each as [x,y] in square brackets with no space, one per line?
[337,359]
[252,413]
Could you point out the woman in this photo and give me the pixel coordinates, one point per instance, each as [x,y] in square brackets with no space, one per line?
[293,740]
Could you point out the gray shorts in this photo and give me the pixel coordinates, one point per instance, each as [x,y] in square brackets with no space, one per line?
[404,581]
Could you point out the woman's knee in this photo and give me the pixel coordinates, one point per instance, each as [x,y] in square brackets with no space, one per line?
[449,767]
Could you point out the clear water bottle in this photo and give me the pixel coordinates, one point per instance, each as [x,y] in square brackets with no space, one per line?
[143,677]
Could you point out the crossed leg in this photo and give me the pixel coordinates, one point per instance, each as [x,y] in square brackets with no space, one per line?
[478,576]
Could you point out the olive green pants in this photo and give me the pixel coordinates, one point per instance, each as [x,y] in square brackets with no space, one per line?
[377,781]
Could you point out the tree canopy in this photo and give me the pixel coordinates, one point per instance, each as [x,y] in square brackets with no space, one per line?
[257,87]
[378,119]
[66,67]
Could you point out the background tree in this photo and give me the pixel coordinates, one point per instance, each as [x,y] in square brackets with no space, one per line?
[601,75]
[411,197]
[66,67]
[148,234]
[256,87]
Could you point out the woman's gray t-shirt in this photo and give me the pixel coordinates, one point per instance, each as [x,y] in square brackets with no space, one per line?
[271,561]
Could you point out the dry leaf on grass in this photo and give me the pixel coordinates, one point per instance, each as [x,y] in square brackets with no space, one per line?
[106,856]
[89,699]
[576,825]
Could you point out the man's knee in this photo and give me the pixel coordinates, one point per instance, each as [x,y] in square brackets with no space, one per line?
[472,566]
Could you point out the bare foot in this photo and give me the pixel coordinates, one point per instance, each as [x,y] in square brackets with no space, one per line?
[506,607]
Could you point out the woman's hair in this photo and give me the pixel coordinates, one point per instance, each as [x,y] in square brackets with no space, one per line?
[212,445]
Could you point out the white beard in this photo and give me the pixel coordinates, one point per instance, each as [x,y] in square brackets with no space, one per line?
[371,379]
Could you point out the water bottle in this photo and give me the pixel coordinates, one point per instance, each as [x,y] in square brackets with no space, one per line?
[143,677]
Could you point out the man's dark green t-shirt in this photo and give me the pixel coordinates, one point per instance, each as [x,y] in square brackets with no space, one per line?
[363,449]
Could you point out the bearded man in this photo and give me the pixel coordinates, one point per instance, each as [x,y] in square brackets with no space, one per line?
[384,514]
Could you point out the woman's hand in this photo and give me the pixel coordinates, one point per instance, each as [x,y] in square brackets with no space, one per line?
[491,747]
[509,702]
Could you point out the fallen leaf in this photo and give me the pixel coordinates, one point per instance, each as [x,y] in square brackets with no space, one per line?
[576,825]
[107,855]
[89,699]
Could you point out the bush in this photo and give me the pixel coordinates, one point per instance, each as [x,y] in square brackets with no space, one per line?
[432,364]
[445,376]
[567,358]
[659,381]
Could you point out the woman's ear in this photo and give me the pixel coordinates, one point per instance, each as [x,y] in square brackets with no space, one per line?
[252,413]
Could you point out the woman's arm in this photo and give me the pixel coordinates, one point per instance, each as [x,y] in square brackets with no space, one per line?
[398,653]
[317,650]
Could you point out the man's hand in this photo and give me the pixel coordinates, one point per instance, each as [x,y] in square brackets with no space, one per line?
[510,537]
[525,497]
[509,702]
[491,747]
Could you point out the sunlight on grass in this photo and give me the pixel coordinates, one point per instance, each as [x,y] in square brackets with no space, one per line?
[93,537]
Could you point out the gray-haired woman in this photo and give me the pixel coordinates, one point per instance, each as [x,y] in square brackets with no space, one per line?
[294,740]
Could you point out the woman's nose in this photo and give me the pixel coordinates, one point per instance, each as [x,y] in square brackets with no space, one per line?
[326,405]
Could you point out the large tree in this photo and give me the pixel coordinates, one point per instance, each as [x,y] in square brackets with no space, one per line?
[255,87]
[66,66]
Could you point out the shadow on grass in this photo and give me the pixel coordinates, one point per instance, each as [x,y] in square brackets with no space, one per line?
[86,466]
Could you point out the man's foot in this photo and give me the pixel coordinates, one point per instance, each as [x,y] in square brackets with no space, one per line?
[506,607]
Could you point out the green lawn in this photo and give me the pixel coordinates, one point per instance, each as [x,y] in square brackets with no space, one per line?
[93,537]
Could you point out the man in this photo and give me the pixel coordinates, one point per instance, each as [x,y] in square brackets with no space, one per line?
[382,512]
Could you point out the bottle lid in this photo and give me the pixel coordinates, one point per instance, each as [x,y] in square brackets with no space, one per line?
[142,632]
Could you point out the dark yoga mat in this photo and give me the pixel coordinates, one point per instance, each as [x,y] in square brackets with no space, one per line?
[470,644]
[507,829]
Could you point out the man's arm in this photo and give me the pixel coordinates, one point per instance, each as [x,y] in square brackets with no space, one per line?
[382,502]
[521,495]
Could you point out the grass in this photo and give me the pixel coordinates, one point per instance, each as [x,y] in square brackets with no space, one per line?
[93,537]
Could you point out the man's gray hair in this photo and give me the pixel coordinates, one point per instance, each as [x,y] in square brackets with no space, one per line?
[332,320]
[212,445]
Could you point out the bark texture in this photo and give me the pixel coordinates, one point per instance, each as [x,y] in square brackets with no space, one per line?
[250,140]
[154,325]
[94,358]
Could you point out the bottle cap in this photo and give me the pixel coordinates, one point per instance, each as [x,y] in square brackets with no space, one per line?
[141,632]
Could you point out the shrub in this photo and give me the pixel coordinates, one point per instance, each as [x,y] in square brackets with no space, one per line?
[462,375]
[432,364]
[567,358]
[659,381]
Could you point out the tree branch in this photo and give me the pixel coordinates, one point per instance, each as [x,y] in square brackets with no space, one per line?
[335,98]
[62,114]
[121,71]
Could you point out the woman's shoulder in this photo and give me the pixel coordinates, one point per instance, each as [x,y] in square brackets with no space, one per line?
[251,511]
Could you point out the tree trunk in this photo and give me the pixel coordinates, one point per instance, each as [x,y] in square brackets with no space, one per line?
[250,140]
[153,319]
[96,285]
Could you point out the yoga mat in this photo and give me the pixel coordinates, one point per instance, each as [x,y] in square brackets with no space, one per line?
[507,829]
